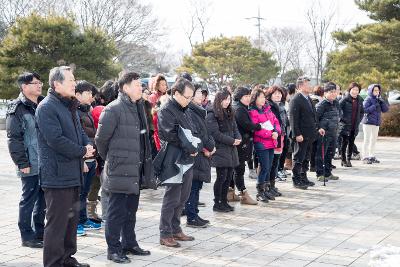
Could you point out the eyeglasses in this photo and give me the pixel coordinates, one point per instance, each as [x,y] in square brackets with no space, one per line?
[187,97]
[36,83]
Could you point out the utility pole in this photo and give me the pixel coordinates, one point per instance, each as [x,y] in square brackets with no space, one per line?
[258,25]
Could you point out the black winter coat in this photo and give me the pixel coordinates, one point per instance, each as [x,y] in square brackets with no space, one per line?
[328,116]
[224,133]
[22,134]
[170,117]
[246,129]
[302,117]
[280,114]
[202,164]
[346,107]
[122,140]
[61,142]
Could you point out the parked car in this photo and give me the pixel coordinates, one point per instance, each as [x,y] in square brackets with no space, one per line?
[394,99]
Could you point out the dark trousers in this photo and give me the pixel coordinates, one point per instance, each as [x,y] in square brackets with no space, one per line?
[301,157]
[221,184]
[174,200]
[121,220]
[324,167]
[347,145]
[192,203]
[239,176]
[62,216]
[265,157]
[274,169]
[285,151]
[87,180]
[313,154]
[31,205]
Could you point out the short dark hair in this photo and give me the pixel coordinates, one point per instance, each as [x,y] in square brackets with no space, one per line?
[255,93]
[26,78]
[273,89]
[291,88]
[109,91]
[180,85]
[83,86]
[127,78]
[354,84]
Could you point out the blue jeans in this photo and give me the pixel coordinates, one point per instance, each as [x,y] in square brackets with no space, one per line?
[87,180]
[265,158]
[192,203]
[31,205]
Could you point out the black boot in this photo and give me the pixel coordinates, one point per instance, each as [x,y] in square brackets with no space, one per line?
[349,163]
[219,207]
[268,193]
[274,189]
[298,184]
[260,193]
[305,180]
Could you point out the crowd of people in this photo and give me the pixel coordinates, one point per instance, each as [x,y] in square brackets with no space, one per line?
[80,144]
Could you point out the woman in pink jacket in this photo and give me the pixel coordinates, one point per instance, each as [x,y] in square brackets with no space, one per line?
[265,140]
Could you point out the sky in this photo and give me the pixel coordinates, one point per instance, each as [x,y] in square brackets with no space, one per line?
[228,17]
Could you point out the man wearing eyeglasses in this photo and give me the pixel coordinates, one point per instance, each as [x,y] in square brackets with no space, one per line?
[22,145]
[172,117]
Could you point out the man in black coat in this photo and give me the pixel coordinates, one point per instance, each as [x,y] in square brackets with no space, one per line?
[327,119]
[122,139]
[62,145]
[23,148]
[303,125]
[202,164]
[172,116]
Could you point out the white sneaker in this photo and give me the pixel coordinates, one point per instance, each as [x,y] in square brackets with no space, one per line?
[253,174]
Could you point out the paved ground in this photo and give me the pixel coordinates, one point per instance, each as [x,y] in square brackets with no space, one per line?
[336,225]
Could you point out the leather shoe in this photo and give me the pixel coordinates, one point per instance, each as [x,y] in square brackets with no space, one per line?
[118,258]
[182,237]
[136,251]
[72,262]
[32,244]
[169,242]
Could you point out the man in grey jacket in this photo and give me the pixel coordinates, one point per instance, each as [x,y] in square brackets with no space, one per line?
[22,145]
[122,140]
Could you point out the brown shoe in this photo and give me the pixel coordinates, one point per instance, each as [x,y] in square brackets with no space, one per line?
[182,237]
[288,164]
[232,197]
[169,242]
[246,199]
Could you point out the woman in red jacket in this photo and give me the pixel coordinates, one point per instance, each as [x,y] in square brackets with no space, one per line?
[265,141]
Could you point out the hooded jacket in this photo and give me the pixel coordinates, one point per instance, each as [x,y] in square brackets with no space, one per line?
[374,106]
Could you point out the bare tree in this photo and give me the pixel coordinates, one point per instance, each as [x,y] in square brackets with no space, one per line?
[320,24]
[135,57]
[123,20]
[10,10]
[287,45]
[203,15]
[189,28]
[199,15]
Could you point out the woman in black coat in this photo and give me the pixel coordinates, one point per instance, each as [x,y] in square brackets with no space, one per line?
[351,113]
[202,164]
[246,129]
[275,96]
[222,126]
